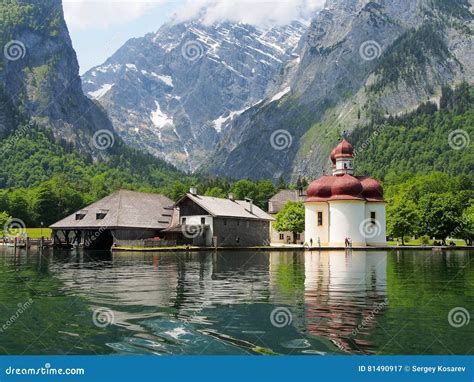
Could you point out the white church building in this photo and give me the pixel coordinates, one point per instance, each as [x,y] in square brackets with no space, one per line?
[344,207]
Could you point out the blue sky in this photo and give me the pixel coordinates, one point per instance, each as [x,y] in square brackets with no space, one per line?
[99,27]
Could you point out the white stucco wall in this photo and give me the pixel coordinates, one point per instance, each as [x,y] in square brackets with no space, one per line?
[196,220]
[377,234]
[346,216]
[312,230]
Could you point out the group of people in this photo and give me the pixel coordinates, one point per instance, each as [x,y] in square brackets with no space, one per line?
[440,243]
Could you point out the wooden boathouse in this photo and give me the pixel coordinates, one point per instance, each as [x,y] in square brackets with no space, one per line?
[124,218]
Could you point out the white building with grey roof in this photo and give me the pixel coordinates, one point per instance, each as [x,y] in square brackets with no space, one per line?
[210,221]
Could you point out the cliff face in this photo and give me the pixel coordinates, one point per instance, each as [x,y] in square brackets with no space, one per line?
[39,74]
[361,59]
[172,92]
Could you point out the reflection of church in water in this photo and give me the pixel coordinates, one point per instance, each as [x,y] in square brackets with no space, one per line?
[340,293]
[329,293]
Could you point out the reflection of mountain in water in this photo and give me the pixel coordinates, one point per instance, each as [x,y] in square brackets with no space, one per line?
[229,297]
[222,302]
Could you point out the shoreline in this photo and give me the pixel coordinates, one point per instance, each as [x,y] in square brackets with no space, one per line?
[286,248]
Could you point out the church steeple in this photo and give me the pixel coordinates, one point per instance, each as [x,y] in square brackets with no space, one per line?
[342,158]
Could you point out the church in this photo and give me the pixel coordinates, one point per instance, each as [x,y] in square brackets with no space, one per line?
[343,208]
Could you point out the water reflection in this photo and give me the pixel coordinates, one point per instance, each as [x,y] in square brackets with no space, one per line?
[222,302]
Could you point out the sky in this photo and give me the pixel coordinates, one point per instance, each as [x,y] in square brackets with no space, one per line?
[99,27]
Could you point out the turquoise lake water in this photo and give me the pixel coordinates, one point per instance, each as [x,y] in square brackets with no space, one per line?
[314,303]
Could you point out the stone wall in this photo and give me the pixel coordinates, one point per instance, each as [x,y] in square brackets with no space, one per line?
[241,232]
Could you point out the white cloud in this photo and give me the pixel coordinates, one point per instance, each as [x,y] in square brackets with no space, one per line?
[260,12]
[101,14]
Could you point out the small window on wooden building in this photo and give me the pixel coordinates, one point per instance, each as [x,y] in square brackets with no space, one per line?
[320,218]
[225,221]
[81,215]
[372,218]
[183,220]
[101,214]
[203,221]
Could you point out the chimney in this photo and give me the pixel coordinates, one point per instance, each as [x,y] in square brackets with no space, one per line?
[231,196]
[193,191]
[250,201]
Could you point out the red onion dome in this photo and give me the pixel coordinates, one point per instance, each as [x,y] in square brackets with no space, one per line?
[346,186]
[344,148]
[372,189]
[320,188]
[340,187]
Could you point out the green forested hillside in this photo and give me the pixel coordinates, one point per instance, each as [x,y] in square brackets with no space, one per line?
[426,162]
[421,142]
[43,180]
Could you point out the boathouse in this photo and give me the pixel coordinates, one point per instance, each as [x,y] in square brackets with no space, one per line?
[210,221]
[124,218]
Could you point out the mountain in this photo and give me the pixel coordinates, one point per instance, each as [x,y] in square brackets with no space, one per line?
[360,60]
[173,92]
[48,127]
[39,75]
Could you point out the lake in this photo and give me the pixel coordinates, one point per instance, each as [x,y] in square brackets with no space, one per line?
[242,302]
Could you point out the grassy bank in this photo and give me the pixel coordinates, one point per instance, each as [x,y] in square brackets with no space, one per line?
[36,233]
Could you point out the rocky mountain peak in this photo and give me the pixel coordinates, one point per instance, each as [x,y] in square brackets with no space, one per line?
[174,92]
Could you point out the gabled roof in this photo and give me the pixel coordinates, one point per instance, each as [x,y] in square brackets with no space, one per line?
[278,201]
[219,207]
[123,209]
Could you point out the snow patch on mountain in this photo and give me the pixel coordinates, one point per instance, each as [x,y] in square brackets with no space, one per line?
[99,93]
[159,118]
[281,94]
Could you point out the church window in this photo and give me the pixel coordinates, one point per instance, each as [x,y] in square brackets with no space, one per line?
[320,218]
[372,218]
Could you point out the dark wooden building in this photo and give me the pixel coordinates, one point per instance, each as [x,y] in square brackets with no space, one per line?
[124,218]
